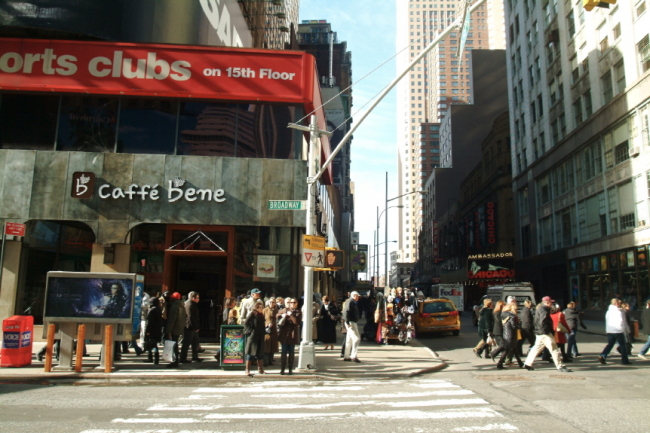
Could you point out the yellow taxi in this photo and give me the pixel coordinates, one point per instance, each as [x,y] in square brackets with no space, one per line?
[437,316]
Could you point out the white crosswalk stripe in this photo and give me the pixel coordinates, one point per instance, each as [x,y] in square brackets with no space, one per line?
[261,405]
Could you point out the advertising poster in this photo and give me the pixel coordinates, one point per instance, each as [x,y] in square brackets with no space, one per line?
[232,345]
[89,297]
[267,267]
[485,267]
[358,258]
[137,306]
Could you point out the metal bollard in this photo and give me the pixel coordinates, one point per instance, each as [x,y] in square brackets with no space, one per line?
[51,330]
[81,337]
[108,348]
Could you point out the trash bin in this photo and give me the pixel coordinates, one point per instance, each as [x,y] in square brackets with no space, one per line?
[17,334]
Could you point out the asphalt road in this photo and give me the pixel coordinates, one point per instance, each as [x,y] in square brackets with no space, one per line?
[592,398]
[471,395]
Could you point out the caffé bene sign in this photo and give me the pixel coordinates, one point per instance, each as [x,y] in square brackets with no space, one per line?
[83,188]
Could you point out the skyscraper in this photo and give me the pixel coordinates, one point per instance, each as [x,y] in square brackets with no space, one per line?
[425,94]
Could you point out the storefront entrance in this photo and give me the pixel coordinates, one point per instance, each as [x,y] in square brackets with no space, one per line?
[200,259]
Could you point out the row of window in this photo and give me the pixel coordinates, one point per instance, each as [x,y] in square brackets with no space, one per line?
[153,126]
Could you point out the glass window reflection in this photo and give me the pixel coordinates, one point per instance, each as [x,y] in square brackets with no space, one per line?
[87,124]
[147,126]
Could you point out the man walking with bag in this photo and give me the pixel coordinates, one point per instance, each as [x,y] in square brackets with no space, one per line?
[192,326]
[351,317]
[544,336]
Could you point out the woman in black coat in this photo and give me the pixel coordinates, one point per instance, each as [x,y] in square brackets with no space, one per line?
[254,329]
[329,320]
[510,324]
[527,327]
[485,325]
[153,331]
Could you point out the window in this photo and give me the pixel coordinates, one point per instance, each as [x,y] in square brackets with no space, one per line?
[616,31]
[543,191]
[606,86]
[523,201]
[28,121]
[619,73]
[621,152]
[643,48]
[87,124]
[571,24]
[577,112]
[586,98]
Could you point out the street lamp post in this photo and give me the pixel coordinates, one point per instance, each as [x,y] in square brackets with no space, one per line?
[386,233]
[386,208]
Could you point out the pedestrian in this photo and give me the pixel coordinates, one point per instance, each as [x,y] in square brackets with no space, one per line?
[527,328]
[351,317]
[645,325]
[629,334]
[544,336]
[574,319]
[144,312]
[175,324]
[485,326]
[289,319]
[561,328]
[254,330]
[153,332]
[497,328]
[315,318]
[329,321]
[279,302]
[192,327]
[271,331]
[510,326]
[247,305]
[615,327]
[380,317]
[229,304]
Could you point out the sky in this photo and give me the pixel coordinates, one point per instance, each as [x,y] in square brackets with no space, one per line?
[369,28]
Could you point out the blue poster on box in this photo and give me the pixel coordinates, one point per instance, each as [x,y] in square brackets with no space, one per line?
[137,306]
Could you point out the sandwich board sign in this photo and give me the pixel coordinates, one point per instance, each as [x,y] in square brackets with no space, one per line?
[313,251]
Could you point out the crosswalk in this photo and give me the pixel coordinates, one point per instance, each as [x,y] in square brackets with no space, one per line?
[411,405]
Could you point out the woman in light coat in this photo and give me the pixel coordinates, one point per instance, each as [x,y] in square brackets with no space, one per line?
[270,339]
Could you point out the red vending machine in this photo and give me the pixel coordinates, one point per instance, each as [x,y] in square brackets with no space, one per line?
[17,332]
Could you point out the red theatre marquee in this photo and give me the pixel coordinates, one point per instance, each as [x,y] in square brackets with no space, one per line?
[175,71]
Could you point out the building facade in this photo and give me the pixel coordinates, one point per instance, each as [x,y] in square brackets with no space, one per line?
[579,91]
[137,156]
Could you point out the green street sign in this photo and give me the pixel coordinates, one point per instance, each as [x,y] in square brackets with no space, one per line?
[287,204]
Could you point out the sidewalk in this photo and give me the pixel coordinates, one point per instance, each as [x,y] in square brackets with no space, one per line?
[378,362]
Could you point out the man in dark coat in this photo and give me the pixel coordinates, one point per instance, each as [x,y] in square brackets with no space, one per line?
[192,326]
[175,325]
[545,336]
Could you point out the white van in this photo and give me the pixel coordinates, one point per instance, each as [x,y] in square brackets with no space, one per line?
[521,292]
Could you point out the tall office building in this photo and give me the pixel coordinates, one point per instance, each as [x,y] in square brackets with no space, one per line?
[426,93]
[579,91]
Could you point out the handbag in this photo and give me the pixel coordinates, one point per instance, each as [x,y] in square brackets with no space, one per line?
[168,351]
[489,341]
[561,328]
[281,322]
[519,336]
[268,329]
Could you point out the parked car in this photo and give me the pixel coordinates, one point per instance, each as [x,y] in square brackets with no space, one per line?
[437,316]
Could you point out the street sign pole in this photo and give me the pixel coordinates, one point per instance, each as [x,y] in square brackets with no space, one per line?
[307,356]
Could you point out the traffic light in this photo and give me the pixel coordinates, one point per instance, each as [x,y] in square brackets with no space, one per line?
[590,4]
